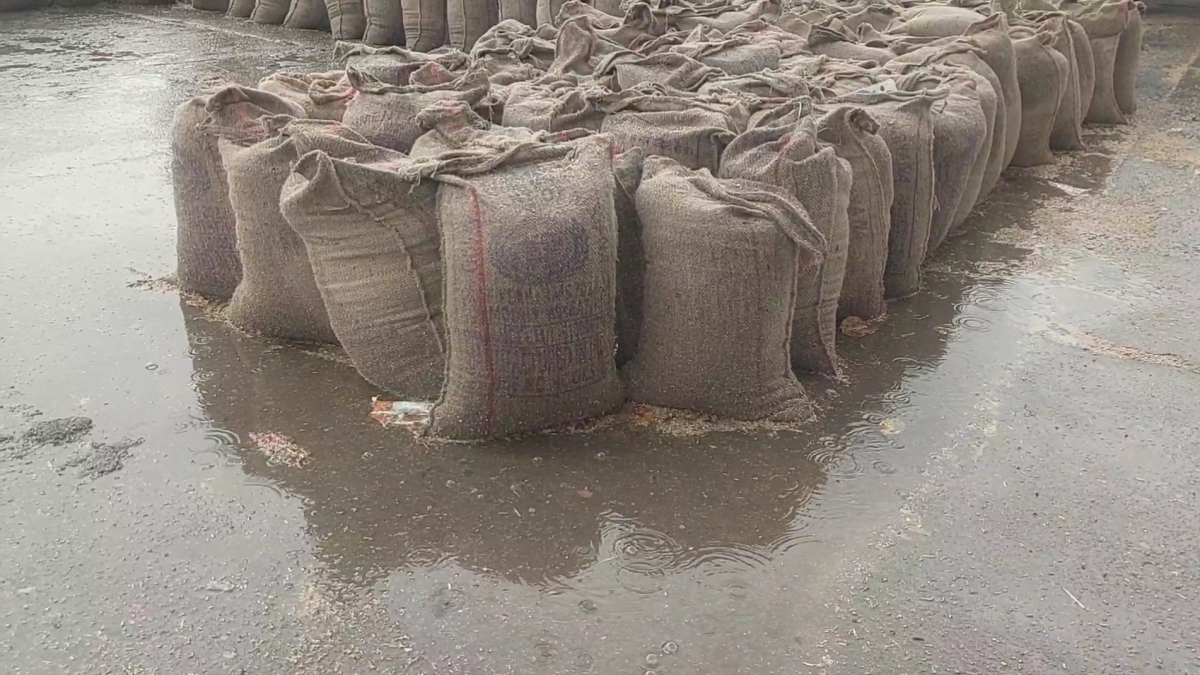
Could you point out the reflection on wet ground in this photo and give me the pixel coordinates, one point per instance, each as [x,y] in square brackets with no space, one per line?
[624,549]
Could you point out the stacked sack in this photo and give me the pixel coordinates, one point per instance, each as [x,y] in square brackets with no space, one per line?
[675,206]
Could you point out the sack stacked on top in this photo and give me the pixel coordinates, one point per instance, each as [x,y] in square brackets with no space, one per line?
[672,203]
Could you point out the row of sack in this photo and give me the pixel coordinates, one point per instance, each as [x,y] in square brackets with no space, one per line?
[857,176]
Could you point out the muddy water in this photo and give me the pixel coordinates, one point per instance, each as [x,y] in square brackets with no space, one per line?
[630,548]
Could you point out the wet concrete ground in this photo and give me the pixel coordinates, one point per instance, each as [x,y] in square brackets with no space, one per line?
[1006,483]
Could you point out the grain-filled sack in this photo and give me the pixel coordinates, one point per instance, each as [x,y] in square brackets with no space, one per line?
[1087,66]
[787,154]
[836,44]
[666,68]
[991,100]
[733,55]
[789,43]
[510,42]
[211,5]
[554,104]
[384,23]
[722,259]
[530,287]
[396,65]
[631,256]
[467,20]
[323,96]
[1043,75]
[307,15]
[994,46]
[271,12]
[547,10]
[684,129]
[424,24]
[452,126]
[386,114]
[580,49]
[905,120]
[1125,65]
[1105,22]
[347,18]
[722,16]
[961,140]
[278,296]
[854,136]
[765,84]
[372,238]
[935,21]
[206,235]
[240,9]
[524,11]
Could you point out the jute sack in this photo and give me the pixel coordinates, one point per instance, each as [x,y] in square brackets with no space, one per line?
[960,138]
[348,18]
[510,42]
[240,9]
[278,296]
[396,65]
[678,127]
[554,104]
[722,259]
[524,11]
[836,44]
[384,23]
[1104,21]
[994,45]
[424,24]
[666,68]
[547,10]
[854,136]
[467,20]
[1067,133]
[765,84]
[1043,74]
[211,5]
[307,15]
[1125,66]
[631,256]
[580,49]
[733,55]
[530,287]
[452,126]
[322,96]
[1087,66]
[935,21]
[206,235]
[991,100]
[373,242]
[787,154]
[386,114]
[722,16]
[271,12]
[906,124]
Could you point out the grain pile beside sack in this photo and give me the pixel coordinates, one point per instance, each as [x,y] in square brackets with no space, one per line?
[527,212]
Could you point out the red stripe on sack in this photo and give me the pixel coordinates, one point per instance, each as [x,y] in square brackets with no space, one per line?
[485,319]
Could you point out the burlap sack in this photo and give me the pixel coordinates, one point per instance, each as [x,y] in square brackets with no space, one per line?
[278,296]
[553,104]
[722,259]
[384,24]
[240,9]
[547,10]
[373,242]
[307,15]
[424,24]
[386,114]
[348,18]
[322,96]
[452,126]
[580,49]
[1104,21]
[789,43]
[631,256]
[669,69]
[935,21]
[877,16]
[787,154]
[1043,74]
[598,18]
[733,54]
[766,84]
[906,124]
[672,126]
[467,20]
[206,235]
[510,42]
[723,16]
[530,287]
[271,12]
[836,44]
[1087,66]
[961,140]
[854,136]
[993,45]
[524,11]
[396,65]
[211,5]
[1125,66]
